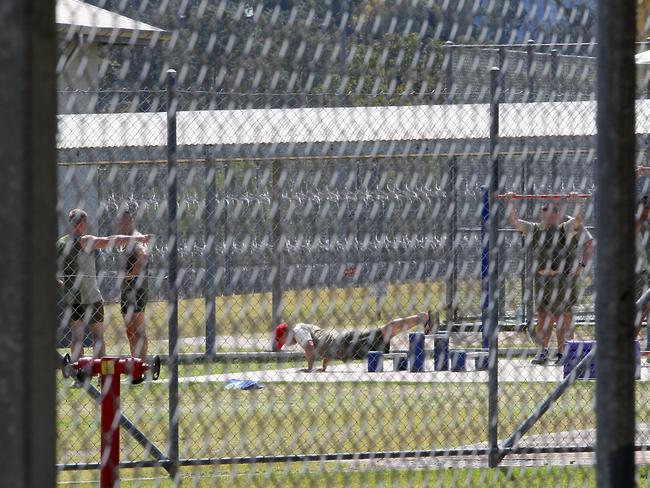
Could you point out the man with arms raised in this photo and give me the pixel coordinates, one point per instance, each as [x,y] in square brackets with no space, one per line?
[557,265]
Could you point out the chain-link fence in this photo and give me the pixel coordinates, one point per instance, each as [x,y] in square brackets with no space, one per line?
[416,251]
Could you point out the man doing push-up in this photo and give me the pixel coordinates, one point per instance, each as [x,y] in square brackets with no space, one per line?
[330,344]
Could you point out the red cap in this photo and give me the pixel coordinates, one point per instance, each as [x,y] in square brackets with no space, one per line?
[280,334]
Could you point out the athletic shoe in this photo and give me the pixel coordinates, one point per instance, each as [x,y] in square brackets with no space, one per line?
[559,359]
[541,358]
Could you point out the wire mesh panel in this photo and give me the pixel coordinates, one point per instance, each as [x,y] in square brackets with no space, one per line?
[310,241]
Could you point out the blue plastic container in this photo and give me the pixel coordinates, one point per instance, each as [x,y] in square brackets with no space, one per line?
[416,352]
[441,353]
[458,361]
[375,362]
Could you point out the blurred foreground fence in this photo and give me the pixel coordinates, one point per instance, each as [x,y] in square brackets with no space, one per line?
[343,217]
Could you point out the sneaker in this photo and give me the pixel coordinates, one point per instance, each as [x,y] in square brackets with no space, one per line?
[559,359]
[541,358]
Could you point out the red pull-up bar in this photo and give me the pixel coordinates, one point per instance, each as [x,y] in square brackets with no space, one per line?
[566,196]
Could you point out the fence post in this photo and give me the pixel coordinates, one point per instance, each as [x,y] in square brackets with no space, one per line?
[172,256]
[485,266]
[555,89]
[227,238]
[209,277]
[503,59]
[493,279]
[530,70]
[615,253]
[28,195]
[277,239]
[452,312]
[448,69]
[500,94]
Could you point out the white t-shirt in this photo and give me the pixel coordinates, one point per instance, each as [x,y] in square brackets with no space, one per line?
[324,341]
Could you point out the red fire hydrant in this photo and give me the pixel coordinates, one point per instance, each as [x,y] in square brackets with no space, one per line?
[109,369]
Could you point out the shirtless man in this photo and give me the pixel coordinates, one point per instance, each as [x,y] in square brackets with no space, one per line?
[78,279]
[330,344]
[555,243]
[134,288]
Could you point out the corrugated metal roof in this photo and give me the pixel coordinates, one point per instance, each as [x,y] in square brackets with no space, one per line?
[75,16]
[316,125]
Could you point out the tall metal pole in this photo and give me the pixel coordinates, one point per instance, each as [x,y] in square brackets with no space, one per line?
[615,253]
[555,89]
[277,243]
[451,246]
[493,278]
[27,213]
[210,227]
[448,68]
[530,70]
[647,78]
[172,251]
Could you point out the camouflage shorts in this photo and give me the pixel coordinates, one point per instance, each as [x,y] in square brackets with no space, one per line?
[555,294]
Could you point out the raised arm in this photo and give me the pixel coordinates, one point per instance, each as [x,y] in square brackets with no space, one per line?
[579,219]
[94,242]
[513,216]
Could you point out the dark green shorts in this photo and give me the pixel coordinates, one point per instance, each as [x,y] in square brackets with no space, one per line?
[133,300]
[357,344]
[89,313]
[556,294]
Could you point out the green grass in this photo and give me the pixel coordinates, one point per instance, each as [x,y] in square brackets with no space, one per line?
[291,418]
[305,418]
[333,475]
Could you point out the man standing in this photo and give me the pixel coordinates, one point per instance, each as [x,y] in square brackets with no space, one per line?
[557,266]
[325,344]
[78,279]
[134,287]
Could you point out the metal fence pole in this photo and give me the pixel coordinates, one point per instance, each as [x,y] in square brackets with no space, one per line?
[172,251]
[555,88]
[209,277]
[277,243]
[530,70]
[452,248]
[493,295]
[228,237]
[503,69]
[27,212]
[448,69]
[647,77]
[615,253]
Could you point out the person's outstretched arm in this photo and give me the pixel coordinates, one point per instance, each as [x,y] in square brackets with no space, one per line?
[94,242]
[579,219]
